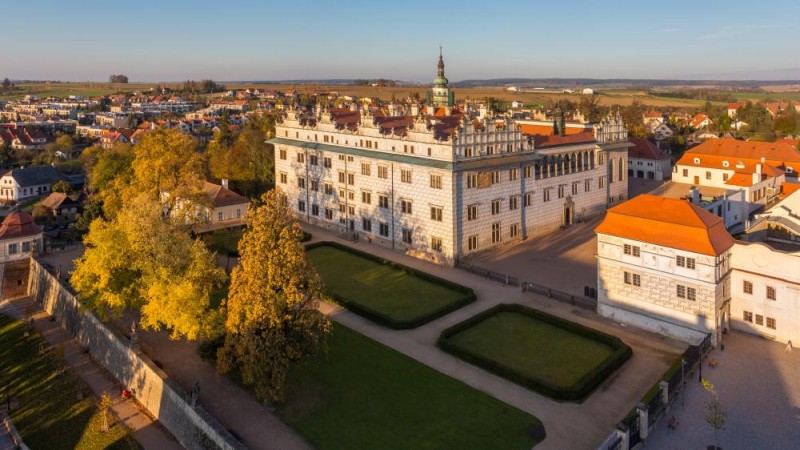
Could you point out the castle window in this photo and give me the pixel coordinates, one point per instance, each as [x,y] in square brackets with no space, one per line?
[771,293]
[747,287]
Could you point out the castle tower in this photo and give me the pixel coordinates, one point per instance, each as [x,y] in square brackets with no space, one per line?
[440,94]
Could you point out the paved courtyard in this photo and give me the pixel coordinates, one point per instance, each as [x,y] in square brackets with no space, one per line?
[563,260]
[758,383]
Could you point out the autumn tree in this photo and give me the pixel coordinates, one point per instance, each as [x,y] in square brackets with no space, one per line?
[272,316]
[104,407]
[147,261]
[110,174]
[250,160]
[715,415]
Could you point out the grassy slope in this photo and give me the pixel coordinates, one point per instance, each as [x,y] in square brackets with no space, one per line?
[539,349]
[49,415]
[364,395]
[379,287]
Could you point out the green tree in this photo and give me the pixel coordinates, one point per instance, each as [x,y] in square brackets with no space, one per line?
[42,215]
[93,209]
[146,261]
[62,186]
[272,316]
[6,155]
[6,84]
[715,415]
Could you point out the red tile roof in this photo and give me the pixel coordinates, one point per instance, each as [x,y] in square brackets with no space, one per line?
[18,224]
[553,141]
[668,222]
[222,196]
[644,149]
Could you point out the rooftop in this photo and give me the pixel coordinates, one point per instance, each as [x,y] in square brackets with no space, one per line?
[667,222]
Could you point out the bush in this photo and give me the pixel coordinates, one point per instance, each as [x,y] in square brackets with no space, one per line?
[578,391]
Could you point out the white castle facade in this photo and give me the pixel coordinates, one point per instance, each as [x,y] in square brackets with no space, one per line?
[438,183]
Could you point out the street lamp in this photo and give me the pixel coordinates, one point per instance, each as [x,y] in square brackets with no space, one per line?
[683,382]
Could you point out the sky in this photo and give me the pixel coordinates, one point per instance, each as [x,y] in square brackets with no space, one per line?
[231,40]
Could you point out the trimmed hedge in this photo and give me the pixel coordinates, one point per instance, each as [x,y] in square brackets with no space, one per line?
[385,320]
[575,393]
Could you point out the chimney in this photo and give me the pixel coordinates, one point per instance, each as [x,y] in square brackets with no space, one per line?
[414,110]
[759,167]
[224,183]
[483,112]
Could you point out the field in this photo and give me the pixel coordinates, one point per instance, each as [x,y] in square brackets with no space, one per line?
[555,357]
[607,97]
[380,290]
[364,395]
[50,416]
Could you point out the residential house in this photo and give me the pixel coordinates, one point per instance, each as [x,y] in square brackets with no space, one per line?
[27,182]
[19,237]
[733,109]
[226,209]
[699,121]
[645,160]
[65,209]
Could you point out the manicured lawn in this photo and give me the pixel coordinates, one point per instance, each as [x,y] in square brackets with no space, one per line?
[553,356]
[49,415]
[363,395]
[545,351]
[383,290]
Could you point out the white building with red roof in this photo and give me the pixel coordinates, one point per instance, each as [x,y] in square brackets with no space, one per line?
[759,168]
[437,182]
[19,237]
[668,266]
[662,264]
[645,160]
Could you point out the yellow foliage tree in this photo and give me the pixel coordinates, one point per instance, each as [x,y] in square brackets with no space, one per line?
[272,305]
[146,260]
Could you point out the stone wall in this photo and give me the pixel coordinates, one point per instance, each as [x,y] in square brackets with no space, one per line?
[194,428]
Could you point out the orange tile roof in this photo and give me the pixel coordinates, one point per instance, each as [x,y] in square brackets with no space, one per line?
[790,188]
[741,179]
[667,222]
[714,151]
[546,130]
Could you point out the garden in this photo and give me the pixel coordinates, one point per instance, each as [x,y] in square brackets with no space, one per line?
[388,293]
[364,395]
[555,357]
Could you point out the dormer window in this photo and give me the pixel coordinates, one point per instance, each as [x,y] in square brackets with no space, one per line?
[697,160]
[725,164]
[789,169]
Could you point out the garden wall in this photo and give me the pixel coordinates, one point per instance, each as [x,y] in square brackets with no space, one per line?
[193,427]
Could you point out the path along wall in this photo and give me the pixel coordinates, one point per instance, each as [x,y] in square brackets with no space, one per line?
[193,427]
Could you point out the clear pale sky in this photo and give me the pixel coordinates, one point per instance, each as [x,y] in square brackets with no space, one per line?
[171,40]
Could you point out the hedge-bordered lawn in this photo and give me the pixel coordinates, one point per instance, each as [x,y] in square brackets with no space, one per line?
[49,415]
[364,395]
[553,356]
[388,293]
